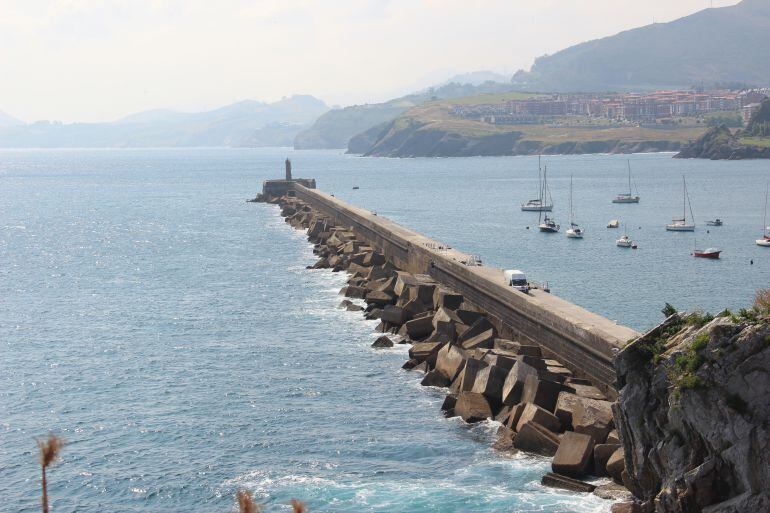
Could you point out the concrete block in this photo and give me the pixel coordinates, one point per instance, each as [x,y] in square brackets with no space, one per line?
[574,456]
[602,453]
[472,407]
[483,340]
[540,392]
[514,382]
[450,361]
[489,382]
[566,483]
[533,437]
[534,413]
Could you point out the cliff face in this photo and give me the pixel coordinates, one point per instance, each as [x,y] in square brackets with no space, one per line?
[719,143]
[408,137]
[693,415]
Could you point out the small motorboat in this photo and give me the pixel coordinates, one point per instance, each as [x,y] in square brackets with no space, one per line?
[355,188]
[712,253]
[715,222]
[614,223]
[625,242]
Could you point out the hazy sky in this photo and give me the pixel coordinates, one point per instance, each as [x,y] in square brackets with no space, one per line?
[94,60]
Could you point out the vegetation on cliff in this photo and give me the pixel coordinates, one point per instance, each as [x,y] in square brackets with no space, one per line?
[720,143]
[693,412]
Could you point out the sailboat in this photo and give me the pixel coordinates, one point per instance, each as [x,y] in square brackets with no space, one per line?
[630,197]
[765,240]
[624,241]
[574,231]
[681,225]
[540,204]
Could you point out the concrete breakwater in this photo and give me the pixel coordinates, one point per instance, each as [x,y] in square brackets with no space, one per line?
[490,372]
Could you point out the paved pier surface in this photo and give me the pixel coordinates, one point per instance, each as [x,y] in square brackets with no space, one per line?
[584,341]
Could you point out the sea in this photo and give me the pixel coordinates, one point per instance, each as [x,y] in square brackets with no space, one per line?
[170,332]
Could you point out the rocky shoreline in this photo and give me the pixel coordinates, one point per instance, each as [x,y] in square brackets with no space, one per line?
[543,409]
[689,431]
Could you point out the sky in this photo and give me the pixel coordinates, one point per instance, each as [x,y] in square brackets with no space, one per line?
[99,60]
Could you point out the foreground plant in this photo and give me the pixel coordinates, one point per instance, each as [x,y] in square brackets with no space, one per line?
[49,453]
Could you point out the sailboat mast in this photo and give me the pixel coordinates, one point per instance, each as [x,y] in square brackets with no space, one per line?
[571,210]
[630,192]
[764,220]
[684,199]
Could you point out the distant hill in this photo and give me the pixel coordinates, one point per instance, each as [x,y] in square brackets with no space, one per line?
[7,120]
[246,123]
[728,44]
[336,128]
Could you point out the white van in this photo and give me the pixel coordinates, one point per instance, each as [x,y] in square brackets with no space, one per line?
[517,280]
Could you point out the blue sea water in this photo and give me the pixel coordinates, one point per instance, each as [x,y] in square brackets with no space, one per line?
[170,332]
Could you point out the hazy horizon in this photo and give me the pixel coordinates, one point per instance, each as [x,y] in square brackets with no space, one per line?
[93,60]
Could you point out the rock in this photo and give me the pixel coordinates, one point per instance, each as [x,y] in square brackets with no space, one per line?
[468,316]
[504,440]
[505,362]
[521,349]
[534,413]
[422,292]
[383,341]
[448,406]
[425,351]
[355,292]
[422,367]
[472,407]
[380,298]
[374,313]
[484,339]
[616,465]
[373,259]
[566,404]
[489,382]
[694,409]
[513,418]
[602,453]
[354,308]
[514,382]
[540,392]
[566,483]
[410,364]
[450,361]
[503,414]
[613,438]
[435,379]
[626,507]
[481,326]
[388,285]
[443,298]
[613,491]
[593,417]
[533,437]
[574,456]
[589,392]
[469,372]
[419,327]
[445,316]
[393,315]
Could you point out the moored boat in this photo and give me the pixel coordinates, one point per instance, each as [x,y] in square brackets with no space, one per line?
[614,223]
[628,197]
[574,231]
[541,203]
[715,222]
[681,224]
[765,240]
[712,253]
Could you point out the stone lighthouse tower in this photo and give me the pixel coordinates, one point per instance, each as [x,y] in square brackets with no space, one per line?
[288,169]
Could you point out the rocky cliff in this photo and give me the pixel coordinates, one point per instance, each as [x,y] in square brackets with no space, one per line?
[719,143]
[693,414]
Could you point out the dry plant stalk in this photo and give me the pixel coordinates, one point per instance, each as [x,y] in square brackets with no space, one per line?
[762,301]
[298,506]
[49,452]
[246,503]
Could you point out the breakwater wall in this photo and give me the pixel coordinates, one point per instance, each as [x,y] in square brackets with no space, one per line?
[583,341]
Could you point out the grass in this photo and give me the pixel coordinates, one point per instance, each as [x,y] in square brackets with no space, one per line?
[482,99]
[761,142]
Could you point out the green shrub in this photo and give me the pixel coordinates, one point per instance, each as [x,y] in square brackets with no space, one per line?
[699,319]
[668,310]
[690,382]
[700,341]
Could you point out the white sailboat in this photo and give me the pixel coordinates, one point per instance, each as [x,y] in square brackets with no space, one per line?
[630,197]
[541,203]
[765,240]
[624,241]
[574,231]
[681,225]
